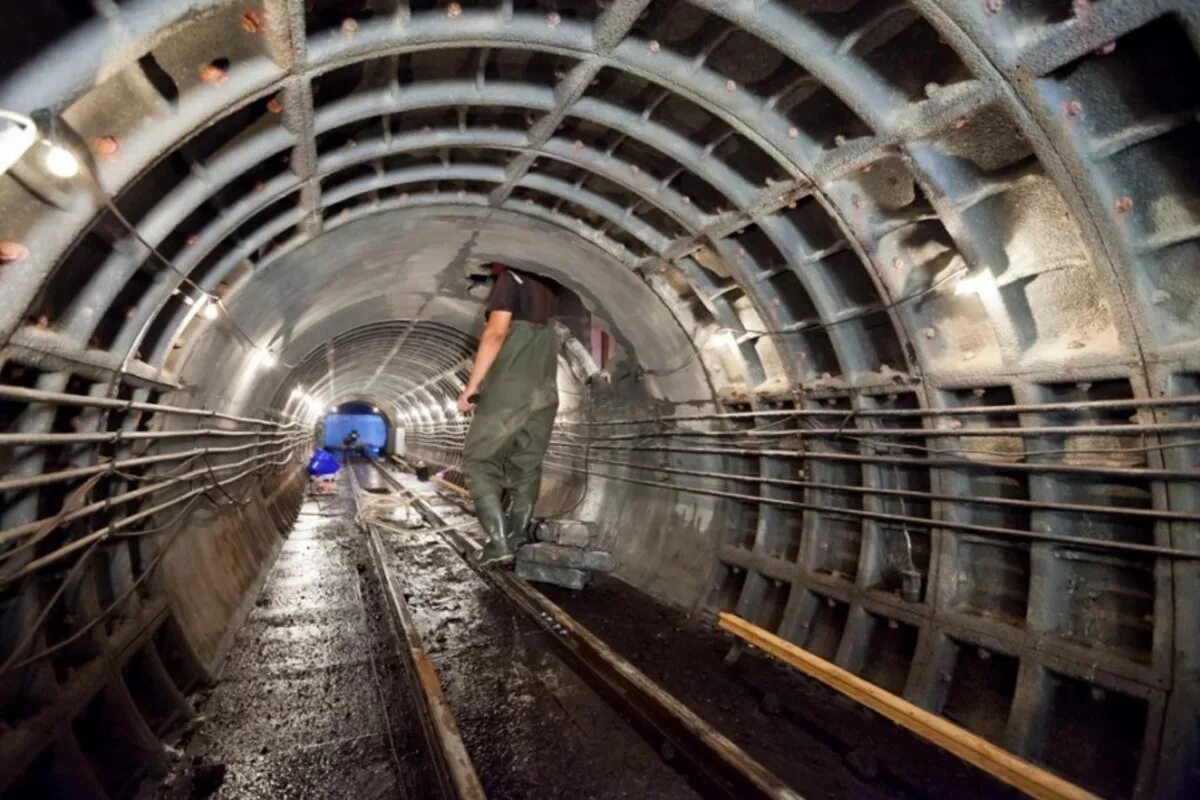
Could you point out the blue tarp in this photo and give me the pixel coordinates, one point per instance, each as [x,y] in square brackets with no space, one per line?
[322,463]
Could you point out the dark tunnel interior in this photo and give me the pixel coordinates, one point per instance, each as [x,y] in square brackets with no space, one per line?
[897,306]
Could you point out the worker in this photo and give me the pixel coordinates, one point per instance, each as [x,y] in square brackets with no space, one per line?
[513,392]
[348,445]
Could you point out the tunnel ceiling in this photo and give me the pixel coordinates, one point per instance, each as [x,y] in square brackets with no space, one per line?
[833,204]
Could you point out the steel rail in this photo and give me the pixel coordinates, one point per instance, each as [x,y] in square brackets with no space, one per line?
[456,774]
[723,766]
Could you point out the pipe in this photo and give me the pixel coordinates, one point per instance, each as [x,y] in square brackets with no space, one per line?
[8,534]
[23,394]
[1143,550]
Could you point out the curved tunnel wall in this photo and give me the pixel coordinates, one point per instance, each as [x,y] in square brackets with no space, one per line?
[880,215]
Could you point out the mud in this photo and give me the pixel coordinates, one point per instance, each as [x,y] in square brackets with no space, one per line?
[533,727]
[819,742]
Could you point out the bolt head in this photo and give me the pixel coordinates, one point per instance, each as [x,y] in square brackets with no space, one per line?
[553,19]
[275,106]
[453,10]
[1123,204]
[929,333]
[349,25]
[192,240]
[1106,48]
[993,7]
[12,252]
[897,264]
[793,132]
[654,46]
[731,85]
[1073,108]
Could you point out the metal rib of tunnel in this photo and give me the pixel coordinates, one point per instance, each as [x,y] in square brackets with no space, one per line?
[903,299]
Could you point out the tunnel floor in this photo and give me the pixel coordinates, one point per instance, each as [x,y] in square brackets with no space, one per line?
[312,701]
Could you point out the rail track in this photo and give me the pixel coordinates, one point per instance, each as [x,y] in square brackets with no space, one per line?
[713,765]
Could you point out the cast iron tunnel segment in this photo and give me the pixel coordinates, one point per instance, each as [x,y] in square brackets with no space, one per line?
[721,768]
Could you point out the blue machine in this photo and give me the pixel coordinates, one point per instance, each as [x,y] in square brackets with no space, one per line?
[372,431]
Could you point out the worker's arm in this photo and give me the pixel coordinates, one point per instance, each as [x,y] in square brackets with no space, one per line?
[489,347]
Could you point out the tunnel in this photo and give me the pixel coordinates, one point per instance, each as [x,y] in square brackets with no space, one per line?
[896,304]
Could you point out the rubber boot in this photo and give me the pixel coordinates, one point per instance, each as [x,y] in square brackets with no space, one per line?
[519,518]
[491,519]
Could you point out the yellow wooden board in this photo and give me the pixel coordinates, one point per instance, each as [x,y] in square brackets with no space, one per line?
[996,761]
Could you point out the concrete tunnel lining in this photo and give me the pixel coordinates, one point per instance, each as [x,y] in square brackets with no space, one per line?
[853,207]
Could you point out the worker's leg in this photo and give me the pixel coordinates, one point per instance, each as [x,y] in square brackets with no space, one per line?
[524,472]
[495,425]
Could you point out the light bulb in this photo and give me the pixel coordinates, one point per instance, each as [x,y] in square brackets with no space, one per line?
[61,162]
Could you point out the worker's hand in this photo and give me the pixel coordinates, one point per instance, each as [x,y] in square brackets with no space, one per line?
[464,400]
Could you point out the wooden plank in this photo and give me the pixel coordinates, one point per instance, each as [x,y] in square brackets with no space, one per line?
[1001,764]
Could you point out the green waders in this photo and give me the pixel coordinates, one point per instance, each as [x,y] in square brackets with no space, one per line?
[509,434]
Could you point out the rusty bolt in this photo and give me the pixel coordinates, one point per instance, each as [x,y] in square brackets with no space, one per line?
[11,252]
[453,10]
[213,75]
[993,6]
[731,85]
[929,333]
[42,321]
[1123,204]
[960,123]
[106,147]
[1073,108]
[552,19]
[349,26]
[793,132]
[654,46]
[275,106]
[251,22]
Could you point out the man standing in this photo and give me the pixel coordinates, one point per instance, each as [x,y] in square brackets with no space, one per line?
[513,391]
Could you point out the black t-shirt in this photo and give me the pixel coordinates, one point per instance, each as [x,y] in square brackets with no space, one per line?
[530,298]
